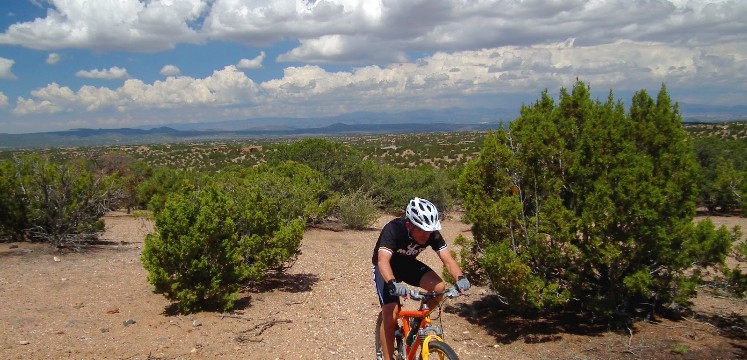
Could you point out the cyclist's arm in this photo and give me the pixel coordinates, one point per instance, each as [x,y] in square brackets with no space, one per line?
[385,266]
[449,262]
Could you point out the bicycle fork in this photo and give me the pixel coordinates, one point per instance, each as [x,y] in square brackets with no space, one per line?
[424,353]
[424,335]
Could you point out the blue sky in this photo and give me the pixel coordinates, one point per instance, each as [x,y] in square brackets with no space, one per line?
[127,63]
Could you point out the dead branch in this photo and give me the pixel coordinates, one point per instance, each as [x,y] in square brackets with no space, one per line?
[268,324]
[258,329]
[225,315]
[630,339]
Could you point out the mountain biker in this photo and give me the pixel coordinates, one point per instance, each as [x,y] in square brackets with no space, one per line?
[394,261]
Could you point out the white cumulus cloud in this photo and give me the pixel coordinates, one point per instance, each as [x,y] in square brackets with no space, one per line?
[436,81]
[252,64]
[170,70]
[53,58]
[110,25]
[3,100]
[350,31]
[225,87]
[113,73]
[5,69]
[376,31]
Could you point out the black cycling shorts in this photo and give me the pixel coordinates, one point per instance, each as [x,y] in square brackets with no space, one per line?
[409,271]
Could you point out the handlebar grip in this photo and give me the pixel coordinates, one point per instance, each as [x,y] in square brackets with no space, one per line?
[415,295]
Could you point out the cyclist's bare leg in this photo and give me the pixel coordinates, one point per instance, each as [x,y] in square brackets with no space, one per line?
[389,314]
[432,282]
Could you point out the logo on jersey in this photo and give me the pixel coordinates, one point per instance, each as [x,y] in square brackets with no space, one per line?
[412,250]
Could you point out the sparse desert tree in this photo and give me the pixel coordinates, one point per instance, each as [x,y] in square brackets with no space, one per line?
[129,172]
[723,175]
[64,203]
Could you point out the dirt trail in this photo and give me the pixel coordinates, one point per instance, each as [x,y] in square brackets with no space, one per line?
[78,305]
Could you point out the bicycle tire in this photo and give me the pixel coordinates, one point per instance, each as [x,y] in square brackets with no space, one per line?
[439,350]
[377,338]
[377,342]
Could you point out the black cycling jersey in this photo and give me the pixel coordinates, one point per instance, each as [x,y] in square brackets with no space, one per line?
[395,239]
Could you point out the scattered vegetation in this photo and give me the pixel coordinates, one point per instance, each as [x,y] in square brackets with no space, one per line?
[575,203]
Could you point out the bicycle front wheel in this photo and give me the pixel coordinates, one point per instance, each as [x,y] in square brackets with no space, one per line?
[439,350]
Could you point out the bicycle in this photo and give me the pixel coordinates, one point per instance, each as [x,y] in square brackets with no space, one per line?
[420,333]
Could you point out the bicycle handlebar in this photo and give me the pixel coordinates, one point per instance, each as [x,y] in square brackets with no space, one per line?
[427,295]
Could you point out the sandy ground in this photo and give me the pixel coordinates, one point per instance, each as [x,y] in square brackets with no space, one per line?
[98,305]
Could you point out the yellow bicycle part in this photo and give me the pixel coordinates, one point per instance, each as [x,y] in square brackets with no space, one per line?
[424,354]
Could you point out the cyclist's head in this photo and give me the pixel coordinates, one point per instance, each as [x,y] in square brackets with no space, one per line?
[423,214]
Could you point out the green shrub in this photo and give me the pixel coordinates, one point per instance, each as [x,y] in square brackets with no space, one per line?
[358,209]
[273,242]
[296,190]
[580,200]
[209,241]
[723,171]
[196,255]
[156,186]
[273,253]
[395,187]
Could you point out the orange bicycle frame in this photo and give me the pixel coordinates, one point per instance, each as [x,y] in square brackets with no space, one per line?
[422,334]
[405,315]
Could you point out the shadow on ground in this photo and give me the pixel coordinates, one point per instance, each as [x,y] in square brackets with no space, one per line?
[732,326]
[507,327]
[292,283]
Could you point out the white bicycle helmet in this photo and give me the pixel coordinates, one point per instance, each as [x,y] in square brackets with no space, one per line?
[423,214]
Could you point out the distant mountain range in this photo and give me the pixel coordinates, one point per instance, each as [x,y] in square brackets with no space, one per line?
[358,123]
[127,136]
[444,116]
[712,113]
[449,120]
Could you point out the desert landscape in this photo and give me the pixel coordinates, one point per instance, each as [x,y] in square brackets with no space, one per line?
[98,304]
